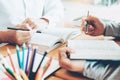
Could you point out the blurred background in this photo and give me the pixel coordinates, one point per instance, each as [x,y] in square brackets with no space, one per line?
[106,9]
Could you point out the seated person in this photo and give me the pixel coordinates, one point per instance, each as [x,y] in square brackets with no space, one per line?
[94,69]
[32,15]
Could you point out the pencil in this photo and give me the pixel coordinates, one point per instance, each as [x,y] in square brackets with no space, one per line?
[18,56]
[24,76]
[39,74]
[31,74]
[23,55]
[28,54]
[6,73]
[9,71]
[41,61]
[87,24]
[11,61]
[47,65]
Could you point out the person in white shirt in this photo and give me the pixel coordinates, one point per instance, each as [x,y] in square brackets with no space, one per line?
[27,14]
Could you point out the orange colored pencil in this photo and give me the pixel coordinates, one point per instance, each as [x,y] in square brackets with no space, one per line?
[11,61]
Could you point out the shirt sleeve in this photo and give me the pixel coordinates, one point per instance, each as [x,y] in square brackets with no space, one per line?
[102,70]
[112,29]
[53,11]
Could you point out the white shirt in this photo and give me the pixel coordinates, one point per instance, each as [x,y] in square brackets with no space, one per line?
[13,12]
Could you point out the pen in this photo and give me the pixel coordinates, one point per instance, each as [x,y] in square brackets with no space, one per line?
[11,61]
[13,28]
[87,24]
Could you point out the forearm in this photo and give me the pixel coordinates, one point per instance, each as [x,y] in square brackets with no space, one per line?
[112,29]
[102,70]
[3,36]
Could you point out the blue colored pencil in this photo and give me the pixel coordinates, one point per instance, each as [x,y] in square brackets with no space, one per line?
[18,56]
[28,54]
[23,55]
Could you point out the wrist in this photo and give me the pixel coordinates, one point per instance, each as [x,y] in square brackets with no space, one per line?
[82,65]
[7,36]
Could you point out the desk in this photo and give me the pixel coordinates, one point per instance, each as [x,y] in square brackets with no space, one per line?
[61,74]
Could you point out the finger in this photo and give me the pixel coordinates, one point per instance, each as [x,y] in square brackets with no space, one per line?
[63,60]
[30,22]
[23,35]
[84,25]
[63,51]
[91,30]
[26,26]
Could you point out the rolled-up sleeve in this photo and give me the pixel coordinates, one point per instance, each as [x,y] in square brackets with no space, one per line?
[112,29]
[53,11]
[102,70]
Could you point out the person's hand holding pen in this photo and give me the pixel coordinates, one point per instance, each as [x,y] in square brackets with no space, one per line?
[95,26]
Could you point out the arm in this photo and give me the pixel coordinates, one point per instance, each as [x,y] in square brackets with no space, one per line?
[98,70]
[102,70]
[112,29]
[12,36]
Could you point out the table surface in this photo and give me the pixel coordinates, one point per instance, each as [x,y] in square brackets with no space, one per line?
[61,74]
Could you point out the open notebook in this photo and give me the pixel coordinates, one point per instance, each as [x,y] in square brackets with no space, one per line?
[53,66]
[94,49]
[51,38]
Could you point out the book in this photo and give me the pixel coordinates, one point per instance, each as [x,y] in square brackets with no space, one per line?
[94,49]
[51,38]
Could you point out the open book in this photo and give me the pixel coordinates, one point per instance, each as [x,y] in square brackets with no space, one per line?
[94,49]
[51,38]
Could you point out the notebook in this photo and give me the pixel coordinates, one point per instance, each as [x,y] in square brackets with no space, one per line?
[94,49]
[51,38]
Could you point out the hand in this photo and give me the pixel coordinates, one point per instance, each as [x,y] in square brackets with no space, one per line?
[96,26]
[16,36]
[68,64]
[34,24]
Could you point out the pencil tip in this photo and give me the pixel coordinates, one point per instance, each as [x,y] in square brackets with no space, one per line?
[8,51]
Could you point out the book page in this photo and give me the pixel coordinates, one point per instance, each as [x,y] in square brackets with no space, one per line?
[45,41]
[64,33]
[94,49]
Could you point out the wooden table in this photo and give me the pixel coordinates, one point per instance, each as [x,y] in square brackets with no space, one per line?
[61,74]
